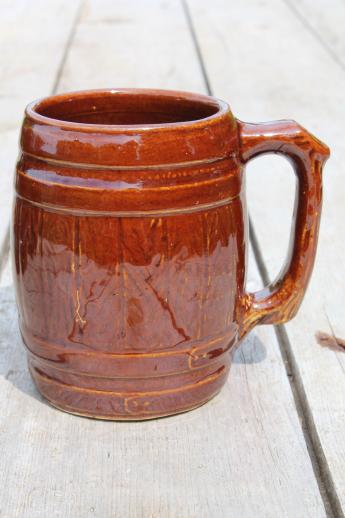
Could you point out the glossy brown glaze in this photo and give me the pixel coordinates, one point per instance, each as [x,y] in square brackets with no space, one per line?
[129,242]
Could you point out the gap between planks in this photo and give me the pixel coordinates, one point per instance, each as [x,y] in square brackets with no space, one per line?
[318,460]
[315,33]
[5,249]
[67,47]
[317,457]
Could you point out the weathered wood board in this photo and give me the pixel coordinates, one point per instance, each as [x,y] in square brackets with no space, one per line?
[277,68]
[325,20]
[243,454]
[33,38]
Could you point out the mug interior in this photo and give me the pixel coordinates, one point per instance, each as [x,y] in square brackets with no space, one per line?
[116,107]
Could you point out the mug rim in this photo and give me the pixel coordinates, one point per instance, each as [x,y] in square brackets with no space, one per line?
[223,109]
[196,141]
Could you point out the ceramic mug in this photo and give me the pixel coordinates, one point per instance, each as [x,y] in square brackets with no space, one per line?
[129,243]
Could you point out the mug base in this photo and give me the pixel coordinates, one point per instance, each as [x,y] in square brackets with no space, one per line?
[134,419]
[197,389]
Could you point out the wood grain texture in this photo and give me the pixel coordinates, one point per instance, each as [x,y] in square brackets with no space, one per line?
[32,42]
[294,77]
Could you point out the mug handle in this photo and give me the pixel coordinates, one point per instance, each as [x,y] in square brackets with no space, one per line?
[279,301]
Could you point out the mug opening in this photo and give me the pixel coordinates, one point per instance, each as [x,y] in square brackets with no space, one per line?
[127,108]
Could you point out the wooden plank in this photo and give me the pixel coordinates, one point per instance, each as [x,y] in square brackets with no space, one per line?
[243,454]
[280,70]
[32,41]
[130,46]
[326,21]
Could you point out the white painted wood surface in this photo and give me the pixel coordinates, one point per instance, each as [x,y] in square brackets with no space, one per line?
[241,455]
[32,42]
[132,44]
[326,20]
[293,77]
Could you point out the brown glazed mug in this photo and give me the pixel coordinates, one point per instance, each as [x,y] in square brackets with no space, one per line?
[130,237]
